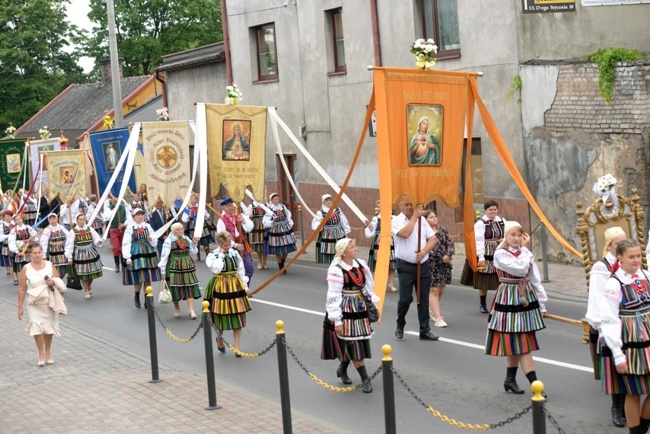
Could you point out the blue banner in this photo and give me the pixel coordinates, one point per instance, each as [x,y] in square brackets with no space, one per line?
[107,148]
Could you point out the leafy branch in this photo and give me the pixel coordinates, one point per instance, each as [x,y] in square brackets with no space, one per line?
[515,87]
[606,59]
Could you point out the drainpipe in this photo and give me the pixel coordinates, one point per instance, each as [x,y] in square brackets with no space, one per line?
[226,40]
[164,88]
[375,31]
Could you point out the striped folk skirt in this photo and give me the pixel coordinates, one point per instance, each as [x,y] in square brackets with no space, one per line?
[256,236]
[635,335]
[281,239]
[144,264]
[372,255]
[354,342]
[326,243]
[5,257]
[228,301]
[181,277]
[20,261]
[512,324]
[86,263]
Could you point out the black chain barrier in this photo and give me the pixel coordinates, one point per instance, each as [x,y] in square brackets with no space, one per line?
[329,386]
[169,332]
[241,353]
[553,421]
[452,421]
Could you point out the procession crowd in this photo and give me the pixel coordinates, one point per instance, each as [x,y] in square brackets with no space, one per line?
[420,255]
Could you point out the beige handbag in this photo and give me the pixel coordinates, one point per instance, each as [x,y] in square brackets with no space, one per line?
[165,295]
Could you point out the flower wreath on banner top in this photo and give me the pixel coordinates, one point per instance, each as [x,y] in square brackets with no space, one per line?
[425,51]
[604,188]
[233,95]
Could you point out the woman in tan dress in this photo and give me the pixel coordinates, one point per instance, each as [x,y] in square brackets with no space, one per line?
[40,280]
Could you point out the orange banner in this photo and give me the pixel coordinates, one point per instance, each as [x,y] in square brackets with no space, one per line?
[421,118]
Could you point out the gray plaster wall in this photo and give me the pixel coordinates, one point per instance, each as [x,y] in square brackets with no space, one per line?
[185,87]
[575,35]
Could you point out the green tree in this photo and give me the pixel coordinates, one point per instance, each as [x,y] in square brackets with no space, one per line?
[34,67]
[150,29]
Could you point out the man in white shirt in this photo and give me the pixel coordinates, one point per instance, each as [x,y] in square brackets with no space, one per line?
[411,249]
[68,211]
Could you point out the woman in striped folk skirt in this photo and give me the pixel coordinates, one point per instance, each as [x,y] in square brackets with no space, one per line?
[177,267]
[98,223]
[139,252]
[346,329]
[227,291]
[18,239]
[6,225]
[83,259]
[52,242]
[488,233]
[373,230]
[625,326]
[336,228]
[516,314]
[256,237]
[282,241]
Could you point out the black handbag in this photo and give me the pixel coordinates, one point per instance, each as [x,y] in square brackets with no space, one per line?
[373,312]
[74,283]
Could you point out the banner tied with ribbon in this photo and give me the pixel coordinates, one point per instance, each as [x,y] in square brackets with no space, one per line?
[107,147]
[236,138]
[66,174]
[166,147]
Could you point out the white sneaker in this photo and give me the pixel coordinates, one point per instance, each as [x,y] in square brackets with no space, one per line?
[440,322]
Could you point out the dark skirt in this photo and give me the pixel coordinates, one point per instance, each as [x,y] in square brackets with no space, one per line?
[344,350]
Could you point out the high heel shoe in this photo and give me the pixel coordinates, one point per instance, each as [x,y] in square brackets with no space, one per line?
[177,313]
[41,363]
[511,385]
[50,361]
[192,315]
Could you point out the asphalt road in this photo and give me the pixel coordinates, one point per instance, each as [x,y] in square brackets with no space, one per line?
[452,375]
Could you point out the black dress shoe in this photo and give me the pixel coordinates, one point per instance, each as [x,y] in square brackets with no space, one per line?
[483,309]
[399,333]
[428,336]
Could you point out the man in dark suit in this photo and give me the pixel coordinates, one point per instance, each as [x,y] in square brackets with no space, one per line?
[157,221]
[44,208]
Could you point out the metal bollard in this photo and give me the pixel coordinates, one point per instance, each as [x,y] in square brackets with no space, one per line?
[285,399]
[209,357]
[539,418]
[153,346]
[389,390]
[542,234]
[302,226]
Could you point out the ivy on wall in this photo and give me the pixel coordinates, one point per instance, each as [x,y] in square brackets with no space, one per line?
[606,59]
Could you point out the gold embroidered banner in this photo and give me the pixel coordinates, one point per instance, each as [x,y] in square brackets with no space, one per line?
[166,148]
[66,174]
[236,149]
[421,121]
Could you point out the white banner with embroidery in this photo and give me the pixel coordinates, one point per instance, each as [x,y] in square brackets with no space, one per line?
[36,147]
[167,154]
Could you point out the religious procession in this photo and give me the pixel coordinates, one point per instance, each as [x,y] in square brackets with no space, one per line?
[223,216]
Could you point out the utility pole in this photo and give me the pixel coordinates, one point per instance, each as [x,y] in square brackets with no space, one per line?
[115,69]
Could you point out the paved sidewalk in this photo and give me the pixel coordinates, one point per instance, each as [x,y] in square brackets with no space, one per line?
[96,387]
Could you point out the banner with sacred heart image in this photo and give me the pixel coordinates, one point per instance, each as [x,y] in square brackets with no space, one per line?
[236,137]
[166,148]
[66,174]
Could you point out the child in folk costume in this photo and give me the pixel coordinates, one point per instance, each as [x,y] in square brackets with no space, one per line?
[346,329]
[227,291]
[177,267]
[138,203]
[373,230]
[516,313]
[19,237]
[625,326]
[190,220]
[52,242]
[139,252]
[256,236]
[98,223]
[336,228]
[83,258]
[282,241]
[600,272]
[6,225]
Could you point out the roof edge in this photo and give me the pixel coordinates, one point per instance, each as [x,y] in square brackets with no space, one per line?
[47,106]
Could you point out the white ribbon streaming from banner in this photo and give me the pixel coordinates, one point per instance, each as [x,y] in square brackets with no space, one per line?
[276,119]
[201,140]
[257,203]
[188,194]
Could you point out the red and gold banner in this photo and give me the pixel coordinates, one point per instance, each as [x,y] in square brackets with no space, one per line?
[236,148]
[66,173]
[421,122]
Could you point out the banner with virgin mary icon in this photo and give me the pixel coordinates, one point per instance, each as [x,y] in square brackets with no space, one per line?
[236,137]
